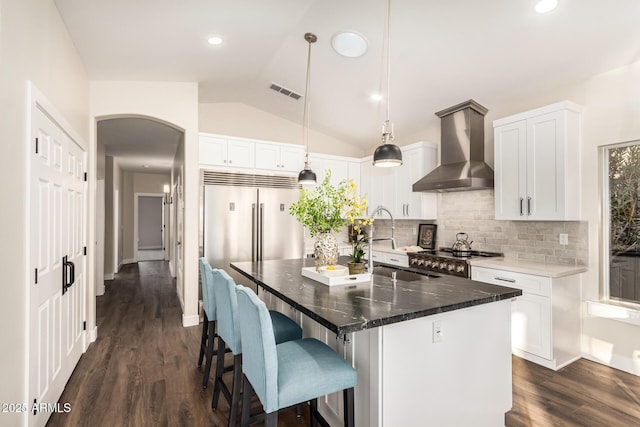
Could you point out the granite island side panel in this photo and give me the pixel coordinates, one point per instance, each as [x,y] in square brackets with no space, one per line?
[350,308]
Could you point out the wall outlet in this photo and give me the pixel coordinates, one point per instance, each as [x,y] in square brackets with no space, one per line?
[437,331]
[414,231]
[564,239]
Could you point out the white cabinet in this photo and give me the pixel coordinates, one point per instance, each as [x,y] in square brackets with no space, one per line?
[545,320]
[279,157]
[393,187]
[218,151]
[537,174]
[342,168]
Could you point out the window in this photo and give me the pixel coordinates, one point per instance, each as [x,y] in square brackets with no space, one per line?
[623,225]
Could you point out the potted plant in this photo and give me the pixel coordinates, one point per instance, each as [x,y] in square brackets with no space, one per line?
[359,239]
[325,209]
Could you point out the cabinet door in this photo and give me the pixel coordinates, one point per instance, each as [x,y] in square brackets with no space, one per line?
[545,163]
[339,170]
[212,151]
[317,166]
[267,156]
[241,154]
[409,205]
[291,158]
[353,169]
[531,325]
[510,170]
[382,190]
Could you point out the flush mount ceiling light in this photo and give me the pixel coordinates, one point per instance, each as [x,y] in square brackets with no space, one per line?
[349,43]
[306,175]
[377,97]
[388,154]
[545,6]
[215,40]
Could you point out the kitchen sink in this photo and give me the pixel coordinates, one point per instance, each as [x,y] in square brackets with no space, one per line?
[405,276]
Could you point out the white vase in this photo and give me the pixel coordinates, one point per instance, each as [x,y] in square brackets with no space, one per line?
[325,250]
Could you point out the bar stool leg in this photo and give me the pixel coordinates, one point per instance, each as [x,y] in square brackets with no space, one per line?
[349,416]
[203,339]
[209,354]
[247,394]
[235,393]
[218,384]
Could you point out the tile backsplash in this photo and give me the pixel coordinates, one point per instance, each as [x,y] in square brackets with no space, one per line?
[472,212]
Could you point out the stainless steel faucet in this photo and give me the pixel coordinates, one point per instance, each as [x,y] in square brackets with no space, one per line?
[370,239]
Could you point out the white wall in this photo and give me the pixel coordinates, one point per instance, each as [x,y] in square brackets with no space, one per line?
[34,45]
[236,119]
[611,104]
[175,104]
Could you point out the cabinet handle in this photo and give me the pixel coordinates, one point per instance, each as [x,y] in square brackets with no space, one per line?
[230,161]
[407,209]
[393,259]
[504,279]
[528,205]
[521,210]
[224,161]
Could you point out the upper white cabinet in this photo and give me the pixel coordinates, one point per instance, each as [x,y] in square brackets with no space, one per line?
[342,168]
[537,154]
[279,157]
[392,187]
[230,152]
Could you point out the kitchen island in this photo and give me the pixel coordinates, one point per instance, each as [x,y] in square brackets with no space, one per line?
[428,350]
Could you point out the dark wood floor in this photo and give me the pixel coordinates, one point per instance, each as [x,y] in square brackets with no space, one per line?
[142,371]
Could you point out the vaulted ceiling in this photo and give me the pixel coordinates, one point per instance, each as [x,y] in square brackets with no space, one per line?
[442,52]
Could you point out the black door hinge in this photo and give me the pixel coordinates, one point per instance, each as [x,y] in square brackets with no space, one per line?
[85,177]
[84,325]
[84,251]
[36,276]
[35,406]
[36,145]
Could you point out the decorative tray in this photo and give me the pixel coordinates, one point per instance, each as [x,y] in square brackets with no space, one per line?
[332,280]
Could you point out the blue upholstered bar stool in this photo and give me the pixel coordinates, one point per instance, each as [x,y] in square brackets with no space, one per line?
[209,323]
[285,374]
[283,329]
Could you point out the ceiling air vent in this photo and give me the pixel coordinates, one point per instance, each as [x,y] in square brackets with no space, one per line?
[285,91]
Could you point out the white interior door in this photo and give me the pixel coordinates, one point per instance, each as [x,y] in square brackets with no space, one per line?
[57,244]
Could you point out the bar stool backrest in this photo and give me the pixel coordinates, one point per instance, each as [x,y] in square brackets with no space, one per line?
[260,358]
[224,290]
[208,301]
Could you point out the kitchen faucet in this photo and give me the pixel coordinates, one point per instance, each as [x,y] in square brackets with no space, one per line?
[370,239]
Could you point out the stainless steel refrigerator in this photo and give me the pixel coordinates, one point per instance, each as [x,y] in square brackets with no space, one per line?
[245,218]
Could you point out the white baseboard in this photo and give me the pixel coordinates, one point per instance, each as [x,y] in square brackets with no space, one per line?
[191,320]
[171,270]
[622,363]
[93,334]
[109,276]
[129,261]
[155,248]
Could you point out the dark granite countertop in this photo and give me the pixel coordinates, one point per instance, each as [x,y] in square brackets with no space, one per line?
[350,308]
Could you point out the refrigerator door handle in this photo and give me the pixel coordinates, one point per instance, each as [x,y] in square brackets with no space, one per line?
[254,254]
[261,231]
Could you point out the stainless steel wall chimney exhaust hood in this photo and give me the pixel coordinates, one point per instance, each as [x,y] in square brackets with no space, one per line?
[462,165]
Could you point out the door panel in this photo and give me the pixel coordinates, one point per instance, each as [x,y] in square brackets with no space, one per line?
[57,206]
[282,235]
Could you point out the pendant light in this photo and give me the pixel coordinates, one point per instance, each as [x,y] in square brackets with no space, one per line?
[306,175]
[387,154]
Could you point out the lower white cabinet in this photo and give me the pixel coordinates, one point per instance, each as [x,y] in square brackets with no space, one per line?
[545,320]
[396,259]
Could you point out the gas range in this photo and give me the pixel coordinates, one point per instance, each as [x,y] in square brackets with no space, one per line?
[447,261]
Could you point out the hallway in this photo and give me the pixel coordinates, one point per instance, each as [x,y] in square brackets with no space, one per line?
[142,369]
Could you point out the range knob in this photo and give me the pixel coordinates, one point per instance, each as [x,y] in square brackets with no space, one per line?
[414,261]
[443,265]
[450,267]
[460,268]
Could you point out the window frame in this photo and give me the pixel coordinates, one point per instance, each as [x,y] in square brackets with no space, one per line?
[605,228]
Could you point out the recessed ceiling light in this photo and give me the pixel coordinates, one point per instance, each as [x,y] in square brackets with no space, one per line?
[214,40]
[145,166]
[545,6]
[376,97]
[349,43]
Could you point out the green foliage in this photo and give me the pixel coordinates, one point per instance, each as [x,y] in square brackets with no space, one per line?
[326,208]
[624,191]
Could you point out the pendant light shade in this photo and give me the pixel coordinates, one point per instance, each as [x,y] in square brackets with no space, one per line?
[306,175]
[388,154]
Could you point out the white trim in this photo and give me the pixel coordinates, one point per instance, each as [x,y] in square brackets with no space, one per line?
[609,310]
[192,320]
[128,261]
[109,276]
[93,334]
[173,274]
[617,361]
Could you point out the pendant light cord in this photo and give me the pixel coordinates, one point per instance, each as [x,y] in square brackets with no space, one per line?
[310,38]
[388,34]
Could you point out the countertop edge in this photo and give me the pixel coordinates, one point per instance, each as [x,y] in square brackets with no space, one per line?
[530,267]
